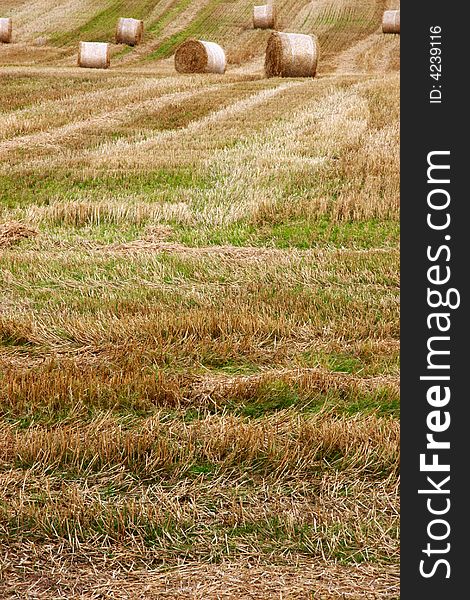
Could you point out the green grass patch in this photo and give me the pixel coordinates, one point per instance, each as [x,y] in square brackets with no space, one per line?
[365,234]
[203,468]
[345,363]
[272,397]
[366,363]
[282,396]
[42,188]
[169,16]
[297,234]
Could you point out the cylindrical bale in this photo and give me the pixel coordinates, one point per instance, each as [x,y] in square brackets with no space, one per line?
[291,55]
[197,56]
[391,21]
[93,55]
[6,30]
[129,31]
[264,17]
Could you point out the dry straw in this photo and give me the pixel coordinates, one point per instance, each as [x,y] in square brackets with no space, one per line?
[197,56]
[6,29]
[291,55]
[93,55]
[391,21]
[129,31]
[12,232]
[264,17]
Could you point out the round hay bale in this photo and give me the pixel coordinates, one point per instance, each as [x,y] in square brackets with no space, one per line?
[6,30]
[93,55]
[264,17]
[291,55]
[391,21]
[129,31]
[197,56]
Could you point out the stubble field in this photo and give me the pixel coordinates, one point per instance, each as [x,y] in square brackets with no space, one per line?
[199,318]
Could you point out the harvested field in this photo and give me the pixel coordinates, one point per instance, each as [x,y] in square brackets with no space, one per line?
[199,326]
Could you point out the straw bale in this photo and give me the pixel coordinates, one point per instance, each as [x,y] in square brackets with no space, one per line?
[291,55]
[391,21]
[198,56]
[129,31]
[93,55]
[264,16]
[6,30]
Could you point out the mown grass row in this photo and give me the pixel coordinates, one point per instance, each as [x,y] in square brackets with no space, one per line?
[204,517]
[286,484]
[63,391]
